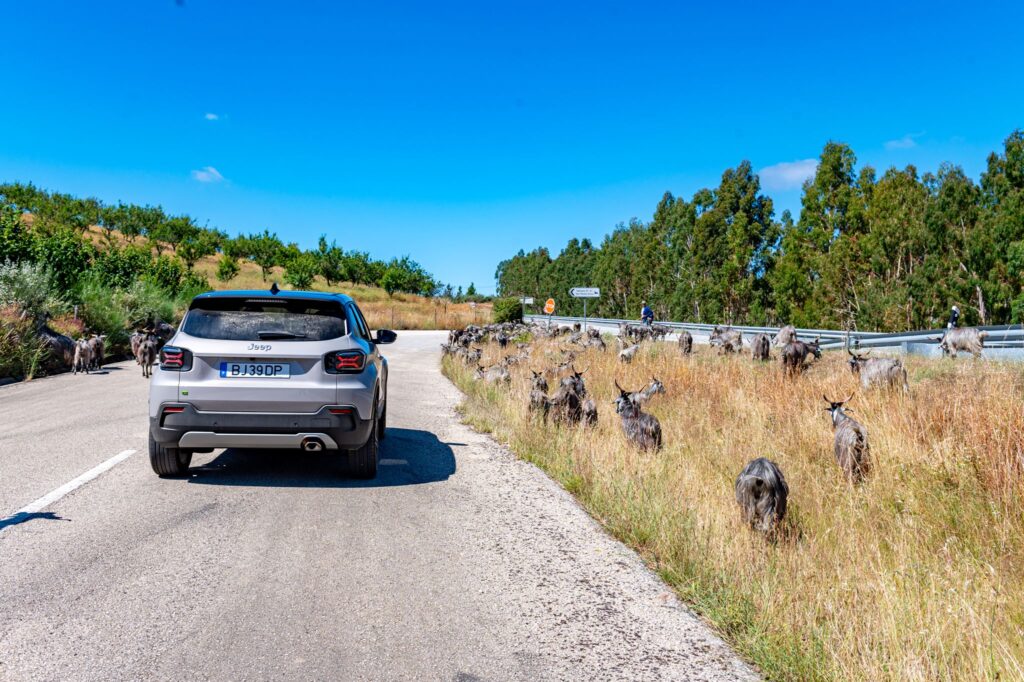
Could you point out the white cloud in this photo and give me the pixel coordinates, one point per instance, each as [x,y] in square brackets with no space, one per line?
[207,174]
[211,116]
[788,174]
[905,142]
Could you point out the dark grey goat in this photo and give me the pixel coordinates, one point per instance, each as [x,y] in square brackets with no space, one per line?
[98,346]
[853,454]
[967,339]
[795,353]
[888,372]
[147,355]
[641,428]
[761,493]
[760,348]
[685,342]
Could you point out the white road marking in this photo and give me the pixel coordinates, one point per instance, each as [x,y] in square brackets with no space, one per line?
[54,495]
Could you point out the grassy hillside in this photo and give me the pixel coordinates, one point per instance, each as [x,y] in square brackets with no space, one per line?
[400,311]
[916,574]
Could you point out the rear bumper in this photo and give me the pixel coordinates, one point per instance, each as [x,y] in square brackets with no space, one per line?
[192,428]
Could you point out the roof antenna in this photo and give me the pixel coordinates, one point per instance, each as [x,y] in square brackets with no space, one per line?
[274,289]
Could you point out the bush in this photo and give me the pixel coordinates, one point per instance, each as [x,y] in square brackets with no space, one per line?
[66,253]
[21,350]
[507,310]
[227,268]
[166,272]
[30,287]
[121,267]
[301,270]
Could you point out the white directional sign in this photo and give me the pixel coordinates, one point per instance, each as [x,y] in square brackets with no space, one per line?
[585,292]
[526,300]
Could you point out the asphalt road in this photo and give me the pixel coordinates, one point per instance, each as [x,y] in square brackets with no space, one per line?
[459,562]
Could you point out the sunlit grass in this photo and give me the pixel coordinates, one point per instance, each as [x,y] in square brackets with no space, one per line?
[917,574]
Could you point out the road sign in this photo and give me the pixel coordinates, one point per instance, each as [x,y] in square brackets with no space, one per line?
[585,292]
[526,300]
[549,306]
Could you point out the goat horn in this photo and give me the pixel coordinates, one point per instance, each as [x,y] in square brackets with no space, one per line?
[850,398]
[826,399]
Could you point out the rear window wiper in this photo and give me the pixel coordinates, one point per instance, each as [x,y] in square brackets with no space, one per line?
[279,335]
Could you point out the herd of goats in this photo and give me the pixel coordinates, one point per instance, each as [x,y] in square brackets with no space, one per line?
[88,353]
[761,489]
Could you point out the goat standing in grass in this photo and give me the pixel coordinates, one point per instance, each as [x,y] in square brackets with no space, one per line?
[627,354]
[888,372]
[728,340]
[795,354]
[786,335]
[685,342]
[967,339]
[494,374]
[760,348]
[641,428]
[761,493]
[644,395]
[853,454]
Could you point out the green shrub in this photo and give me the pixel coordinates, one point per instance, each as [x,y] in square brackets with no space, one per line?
[31,287]
[301,270]
[507,310]
[66,253]
[227,268]
[21,350]
[121,267]
[166,272]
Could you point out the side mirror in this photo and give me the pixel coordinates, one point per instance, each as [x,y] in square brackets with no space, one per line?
[385,336]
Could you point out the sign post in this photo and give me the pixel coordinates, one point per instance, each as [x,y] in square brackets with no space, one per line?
[525,301]
[585,293]
[549,308]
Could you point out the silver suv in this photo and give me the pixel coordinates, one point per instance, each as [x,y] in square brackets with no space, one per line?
[277,369]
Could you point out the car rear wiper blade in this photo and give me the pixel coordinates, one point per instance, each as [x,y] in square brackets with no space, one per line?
[279,335]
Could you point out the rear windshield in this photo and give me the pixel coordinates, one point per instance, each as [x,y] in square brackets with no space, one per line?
[255,319]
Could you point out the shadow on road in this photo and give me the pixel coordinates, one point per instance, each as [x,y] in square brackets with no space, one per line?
[407,457]
[24,517]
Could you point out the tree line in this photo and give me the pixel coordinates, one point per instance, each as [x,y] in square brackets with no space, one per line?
[151,234]
[869,253]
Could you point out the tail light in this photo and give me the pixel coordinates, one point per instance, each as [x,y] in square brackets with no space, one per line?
[344,362]
[174,359]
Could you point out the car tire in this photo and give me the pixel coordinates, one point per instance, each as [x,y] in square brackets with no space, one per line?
[168,462]
[382,421]
[363,461]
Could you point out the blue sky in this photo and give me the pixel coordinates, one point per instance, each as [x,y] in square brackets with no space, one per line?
[459,133]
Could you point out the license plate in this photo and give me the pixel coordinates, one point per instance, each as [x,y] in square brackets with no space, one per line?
[255,370]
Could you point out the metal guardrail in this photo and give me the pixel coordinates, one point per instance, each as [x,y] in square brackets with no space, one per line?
[999,336]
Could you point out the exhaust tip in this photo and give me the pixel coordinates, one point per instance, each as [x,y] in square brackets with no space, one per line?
[312,444]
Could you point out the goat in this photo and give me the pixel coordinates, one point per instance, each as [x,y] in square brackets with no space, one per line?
[627,354]
[761,493]
[83,357]
[853,454]
[644,395]
[685,342]
[795,353]
[97,345]
[60,347]
[589,412]
[728,340]
[539,383]
[760,348]
[494,374]
[785,335]
[593,332]
[539,402]
[968,339]
[888,372]
[641,428]
[473,356]
[147,355]
[565,404]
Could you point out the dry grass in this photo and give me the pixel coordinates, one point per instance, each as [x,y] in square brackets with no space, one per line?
[401,311]
[917,574]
